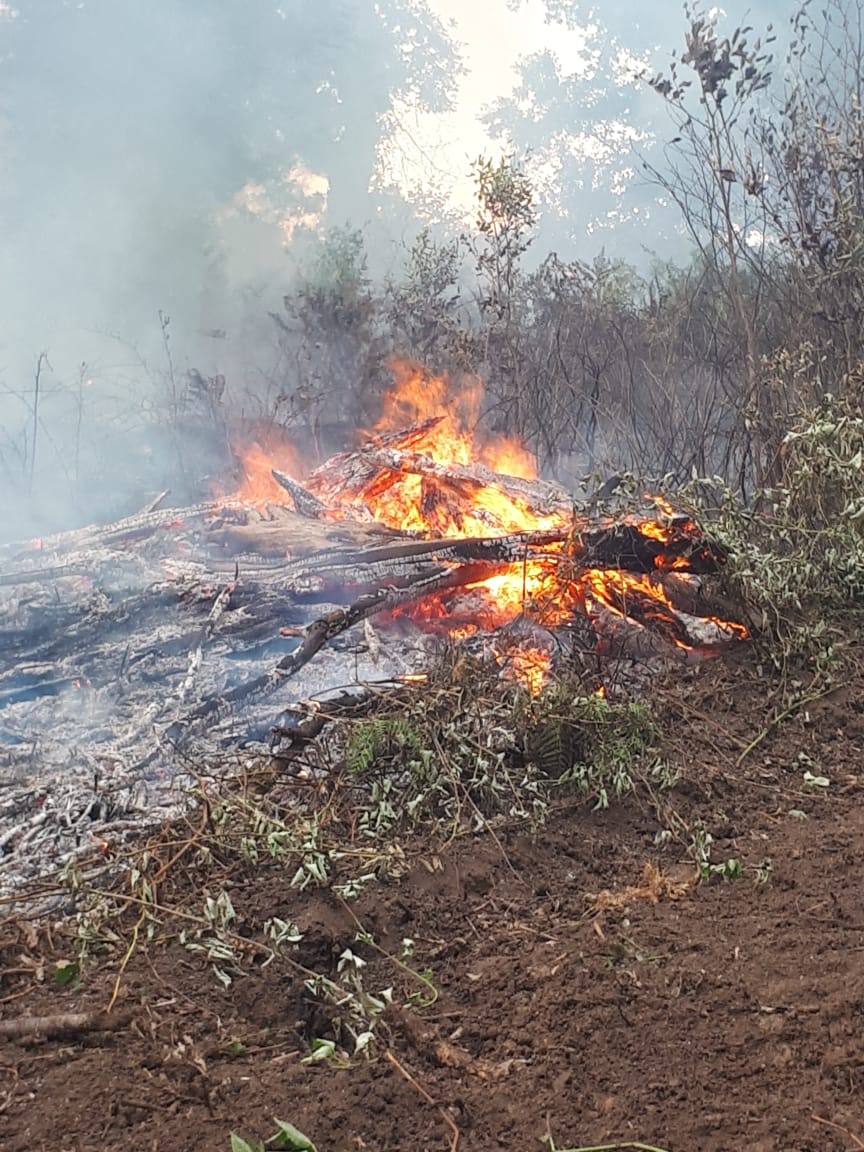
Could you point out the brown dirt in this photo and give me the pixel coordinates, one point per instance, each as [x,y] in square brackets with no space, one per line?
[693,1018]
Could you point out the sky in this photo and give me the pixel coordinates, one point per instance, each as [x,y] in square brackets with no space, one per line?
[437,149]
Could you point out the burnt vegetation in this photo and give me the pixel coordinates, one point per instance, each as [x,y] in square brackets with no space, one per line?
[716,370]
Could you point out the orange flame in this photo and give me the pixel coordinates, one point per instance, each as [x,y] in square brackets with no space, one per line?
[403,494]
[413,483]
[258,486]
[530,667]
[419,396]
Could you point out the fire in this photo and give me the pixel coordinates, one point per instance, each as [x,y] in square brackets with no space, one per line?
[635,597]
[258,486]
[418,396]
[426,470]
[405,493]
[531,667]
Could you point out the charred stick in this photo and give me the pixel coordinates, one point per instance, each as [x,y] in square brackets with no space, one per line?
[411,558]
[321,631]
[325,629]
[142,523]
[44,575]
[305,504]
[156,501]
[406,437]
[196,656]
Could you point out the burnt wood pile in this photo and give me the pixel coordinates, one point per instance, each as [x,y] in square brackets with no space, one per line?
[134,652]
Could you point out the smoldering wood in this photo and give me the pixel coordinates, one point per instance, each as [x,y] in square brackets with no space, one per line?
[270,599]
[293,535]
[141,651]
[315,635]
[142,523]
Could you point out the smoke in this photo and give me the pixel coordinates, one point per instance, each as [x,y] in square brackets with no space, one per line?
[164,160]
[162,166]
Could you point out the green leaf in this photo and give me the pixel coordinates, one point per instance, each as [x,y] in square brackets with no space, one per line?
[321,1050]
[238,1145]
[292,1138]
[66,973]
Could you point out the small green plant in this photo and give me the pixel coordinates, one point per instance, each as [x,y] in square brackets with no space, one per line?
[628,950]
[796,550]
[588,741]
[287,1137]
[727,870]
[357,1011]
[68,975]
[452,756]
[381,740]
[216,941]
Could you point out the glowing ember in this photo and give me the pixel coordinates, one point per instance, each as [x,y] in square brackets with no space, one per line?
[530,667]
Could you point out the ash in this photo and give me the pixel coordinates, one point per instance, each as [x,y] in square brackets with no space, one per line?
[125,678]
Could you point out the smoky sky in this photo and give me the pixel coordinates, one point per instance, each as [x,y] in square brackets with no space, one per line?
[135,133]
[599,195]
[129,125]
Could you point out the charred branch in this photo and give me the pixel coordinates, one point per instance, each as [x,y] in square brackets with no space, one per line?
[305,503]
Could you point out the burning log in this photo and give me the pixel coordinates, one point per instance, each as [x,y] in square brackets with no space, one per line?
[404,437]
[363,478]
[645,545]
[540,497]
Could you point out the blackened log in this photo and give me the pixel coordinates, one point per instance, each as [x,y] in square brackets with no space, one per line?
[636,547]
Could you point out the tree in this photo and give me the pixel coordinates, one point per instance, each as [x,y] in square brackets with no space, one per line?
[586,128]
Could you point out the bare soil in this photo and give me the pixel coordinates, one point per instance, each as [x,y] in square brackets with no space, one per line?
[589,990]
